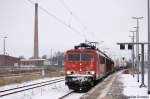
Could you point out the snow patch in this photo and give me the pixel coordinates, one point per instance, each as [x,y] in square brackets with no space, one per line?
[131,87]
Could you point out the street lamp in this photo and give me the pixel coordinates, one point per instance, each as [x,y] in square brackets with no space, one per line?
[4,51]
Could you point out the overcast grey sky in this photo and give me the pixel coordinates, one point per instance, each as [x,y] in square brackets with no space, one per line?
[105,20]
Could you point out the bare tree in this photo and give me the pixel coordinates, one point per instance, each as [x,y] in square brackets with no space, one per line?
[44,57]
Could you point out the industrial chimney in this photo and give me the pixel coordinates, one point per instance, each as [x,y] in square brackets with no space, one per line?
[36,47]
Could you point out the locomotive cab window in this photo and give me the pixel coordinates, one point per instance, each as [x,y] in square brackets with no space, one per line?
[102,60]
[87,57]
[73,57]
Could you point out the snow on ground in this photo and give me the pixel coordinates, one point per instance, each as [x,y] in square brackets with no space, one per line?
[47,92]
[53,91]
[27,83]
[131,87]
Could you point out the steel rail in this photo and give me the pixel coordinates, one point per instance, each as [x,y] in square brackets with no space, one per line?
[36,85]
[66,95]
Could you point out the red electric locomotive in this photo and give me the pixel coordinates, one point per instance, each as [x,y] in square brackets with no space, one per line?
[84,65]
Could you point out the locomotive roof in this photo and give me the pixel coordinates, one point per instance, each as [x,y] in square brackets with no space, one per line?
[81,50]
[83,47]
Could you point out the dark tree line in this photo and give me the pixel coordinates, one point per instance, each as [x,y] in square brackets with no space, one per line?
[55,59]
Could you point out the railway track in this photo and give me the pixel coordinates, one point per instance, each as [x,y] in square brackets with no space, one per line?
[28,87]
[62,97]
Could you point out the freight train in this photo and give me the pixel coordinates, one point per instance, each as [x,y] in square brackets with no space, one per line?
[84,65]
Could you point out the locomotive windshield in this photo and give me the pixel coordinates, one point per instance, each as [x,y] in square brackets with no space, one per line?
[87,57]
[73,57]
[80,57]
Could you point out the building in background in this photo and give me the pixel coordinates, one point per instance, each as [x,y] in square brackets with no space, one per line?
[6,60]
[32,62]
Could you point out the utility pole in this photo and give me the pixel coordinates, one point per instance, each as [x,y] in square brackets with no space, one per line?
[51,56]
[137,46]
[142,67]
[4,48]
[132,54]
[148,45]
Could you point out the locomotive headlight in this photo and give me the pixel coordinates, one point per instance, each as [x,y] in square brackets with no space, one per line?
[92,72]
[68,72]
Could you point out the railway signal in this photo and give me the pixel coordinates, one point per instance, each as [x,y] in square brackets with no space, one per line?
[122,46]
[130,47]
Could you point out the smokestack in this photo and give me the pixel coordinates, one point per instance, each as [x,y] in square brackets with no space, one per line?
[36,47]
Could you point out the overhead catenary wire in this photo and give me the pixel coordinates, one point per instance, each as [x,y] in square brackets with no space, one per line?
[58,19]
[71,13]
[76,18]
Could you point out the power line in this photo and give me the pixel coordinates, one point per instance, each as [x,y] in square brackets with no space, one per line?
[65,6]
[75,16]
[58,19]
[71,13]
